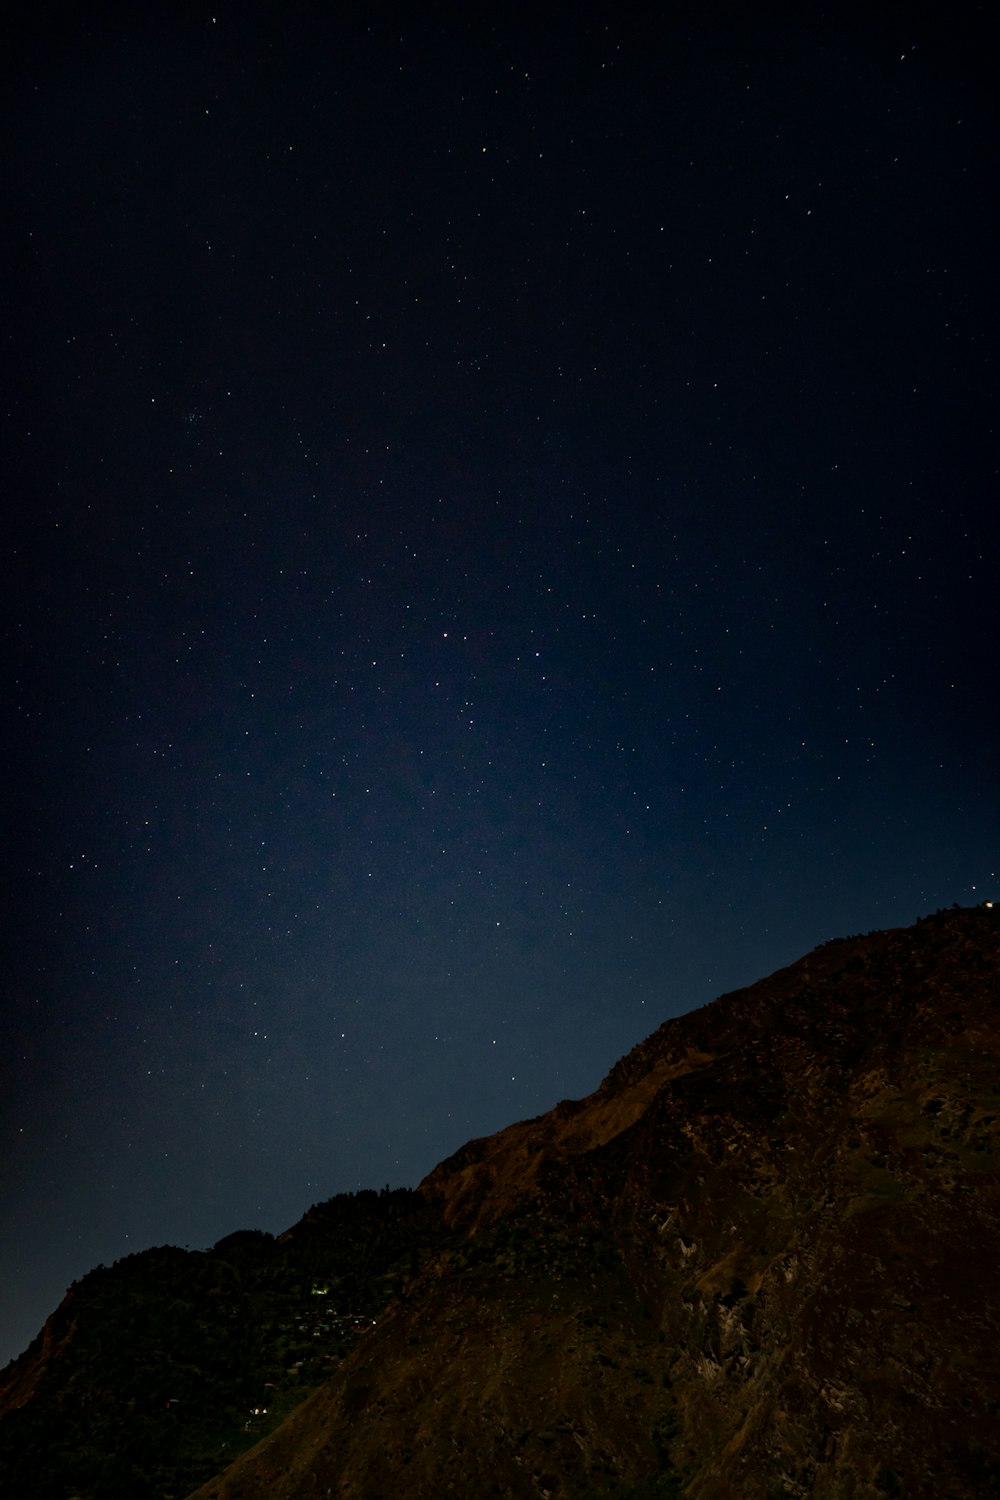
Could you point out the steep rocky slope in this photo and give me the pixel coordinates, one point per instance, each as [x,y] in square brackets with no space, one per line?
[758,1261]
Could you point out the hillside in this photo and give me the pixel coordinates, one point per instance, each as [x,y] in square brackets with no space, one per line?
[758,1261]
[154,1372]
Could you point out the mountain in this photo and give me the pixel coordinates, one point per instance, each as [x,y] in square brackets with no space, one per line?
[155,1372]
[758,1261]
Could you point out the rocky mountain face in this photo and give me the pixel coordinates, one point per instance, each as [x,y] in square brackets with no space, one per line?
[759,1261]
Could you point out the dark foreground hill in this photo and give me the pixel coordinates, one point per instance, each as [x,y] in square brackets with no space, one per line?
[154,1372]
[759,1261]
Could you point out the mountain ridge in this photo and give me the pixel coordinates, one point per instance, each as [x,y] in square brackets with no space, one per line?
[776,1185]
[756,1261]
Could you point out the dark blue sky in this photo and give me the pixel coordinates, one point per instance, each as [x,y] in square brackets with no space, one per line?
[503,550]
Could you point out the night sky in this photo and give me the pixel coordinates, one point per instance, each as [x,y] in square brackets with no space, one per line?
[501,549]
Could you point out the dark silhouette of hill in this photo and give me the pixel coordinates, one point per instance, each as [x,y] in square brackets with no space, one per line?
[158,1370]
[758,1261]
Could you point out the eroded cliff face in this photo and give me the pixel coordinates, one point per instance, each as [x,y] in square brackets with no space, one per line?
[758,1261]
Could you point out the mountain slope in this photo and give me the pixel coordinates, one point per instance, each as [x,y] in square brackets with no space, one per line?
[758,1261]
[154,1372]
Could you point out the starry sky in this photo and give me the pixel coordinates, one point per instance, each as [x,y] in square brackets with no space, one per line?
[501,549]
